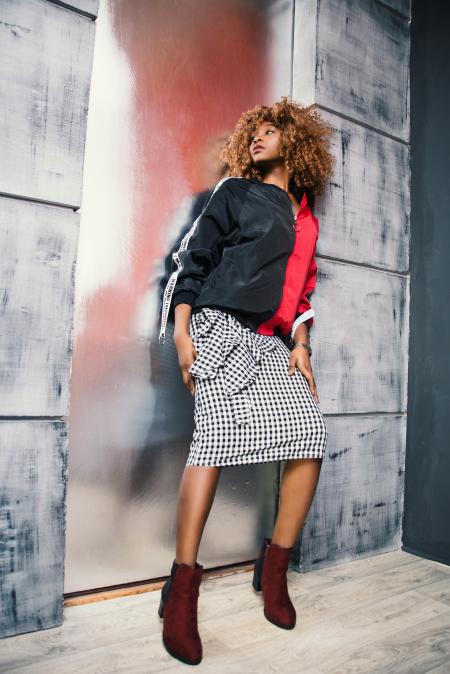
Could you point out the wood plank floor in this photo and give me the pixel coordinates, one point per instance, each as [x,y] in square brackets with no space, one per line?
[389,613]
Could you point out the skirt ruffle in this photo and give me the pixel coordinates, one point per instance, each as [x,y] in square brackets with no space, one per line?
[221,341]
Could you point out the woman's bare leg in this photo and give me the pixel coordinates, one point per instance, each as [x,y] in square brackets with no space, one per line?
[195,497]
[298,486]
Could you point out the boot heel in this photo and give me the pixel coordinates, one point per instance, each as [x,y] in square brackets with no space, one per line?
[164,596]
[257,574]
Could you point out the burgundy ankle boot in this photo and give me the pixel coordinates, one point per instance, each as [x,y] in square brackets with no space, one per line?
[178,607]
[270,577]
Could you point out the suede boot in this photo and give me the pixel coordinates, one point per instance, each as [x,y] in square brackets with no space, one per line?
[270,577]
[178,608]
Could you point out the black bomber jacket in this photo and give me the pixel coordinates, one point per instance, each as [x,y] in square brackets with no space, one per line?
[235,254]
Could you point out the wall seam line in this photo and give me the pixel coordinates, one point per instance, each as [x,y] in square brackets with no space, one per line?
[72,9]
[364,124]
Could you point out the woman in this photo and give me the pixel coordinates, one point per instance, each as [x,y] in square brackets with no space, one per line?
[240,290]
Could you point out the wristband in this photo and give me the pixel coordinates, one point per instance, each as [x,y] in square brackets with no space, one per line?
[305,346]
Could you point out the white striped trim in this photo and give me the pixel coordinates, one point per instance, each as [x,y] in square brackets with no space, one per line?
[301,319]
[168,291]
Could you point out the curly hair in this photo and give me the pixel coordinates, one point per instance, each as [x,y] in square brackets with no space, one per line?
[304,145]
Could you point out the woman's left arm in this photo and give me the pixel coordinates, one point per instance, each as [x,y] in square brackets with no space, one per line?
[300,357]
[305,312]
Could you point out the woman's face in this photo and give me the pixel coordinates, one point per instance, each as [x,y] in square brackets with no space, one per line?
[265,143]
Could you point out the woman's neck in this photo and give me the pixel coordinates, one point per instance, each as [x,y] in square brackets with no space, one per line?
[279,176]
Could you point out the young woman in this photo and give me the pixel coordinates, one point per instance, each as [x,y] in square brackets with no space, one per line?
[240,292]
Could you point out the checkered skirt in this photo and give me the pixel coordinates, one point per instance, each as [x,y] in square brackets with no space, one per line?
[247,408]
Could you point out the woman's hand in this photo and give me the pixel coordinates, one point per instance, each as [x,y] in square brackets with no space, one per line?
[186,357]
[299,358]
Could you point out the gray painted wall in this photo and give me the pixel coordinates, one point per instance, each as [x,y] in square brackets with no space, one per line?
[427,494]
[45,68]
[355,67]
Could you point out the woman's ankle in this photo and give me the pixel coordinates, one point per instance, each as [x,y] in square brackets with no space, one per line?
[281,544]
[186,561]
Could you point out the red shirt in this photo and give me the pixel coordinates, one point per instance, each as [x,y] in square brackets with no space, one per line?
[300,278]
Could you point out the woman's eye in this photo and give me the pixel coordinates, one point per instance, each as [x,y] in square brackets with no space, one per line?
[252,138]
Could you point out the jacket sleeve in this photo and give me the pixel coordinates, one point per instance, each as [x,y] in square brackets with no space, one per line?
[200,251]
[305,312]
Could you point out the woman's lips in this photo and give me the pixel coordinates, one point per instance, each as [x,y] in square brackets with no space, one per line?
[257,148]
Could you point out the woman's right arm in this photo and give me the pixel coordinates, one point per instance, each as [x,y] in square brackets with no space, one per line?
[184,345]
[198,256]
[200,251]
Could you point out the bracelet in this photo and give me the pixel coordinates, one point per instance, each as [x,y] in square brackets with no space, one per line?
[306,346]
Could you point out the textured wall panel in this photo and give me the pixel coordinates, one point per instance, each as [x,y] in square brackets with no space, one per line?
[351,59]
[364,214]
[38,248]
[45,72]
[360,339]
[359,499]
[305,51]
[32,521]
[362,62]
[278,16]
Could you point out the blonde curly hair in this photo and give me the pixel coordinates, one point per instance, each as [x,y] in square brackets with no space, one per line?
[304,145]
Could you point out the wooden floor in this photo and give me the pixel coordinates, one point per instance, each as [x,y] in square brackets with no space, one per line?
[389,613]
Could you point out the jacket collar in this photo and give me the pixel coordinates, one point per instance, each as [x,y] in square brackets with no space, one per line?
[303,202]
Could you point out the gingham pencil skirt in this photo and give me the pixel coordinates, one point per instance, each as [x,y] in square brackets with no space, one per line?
[247,408]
